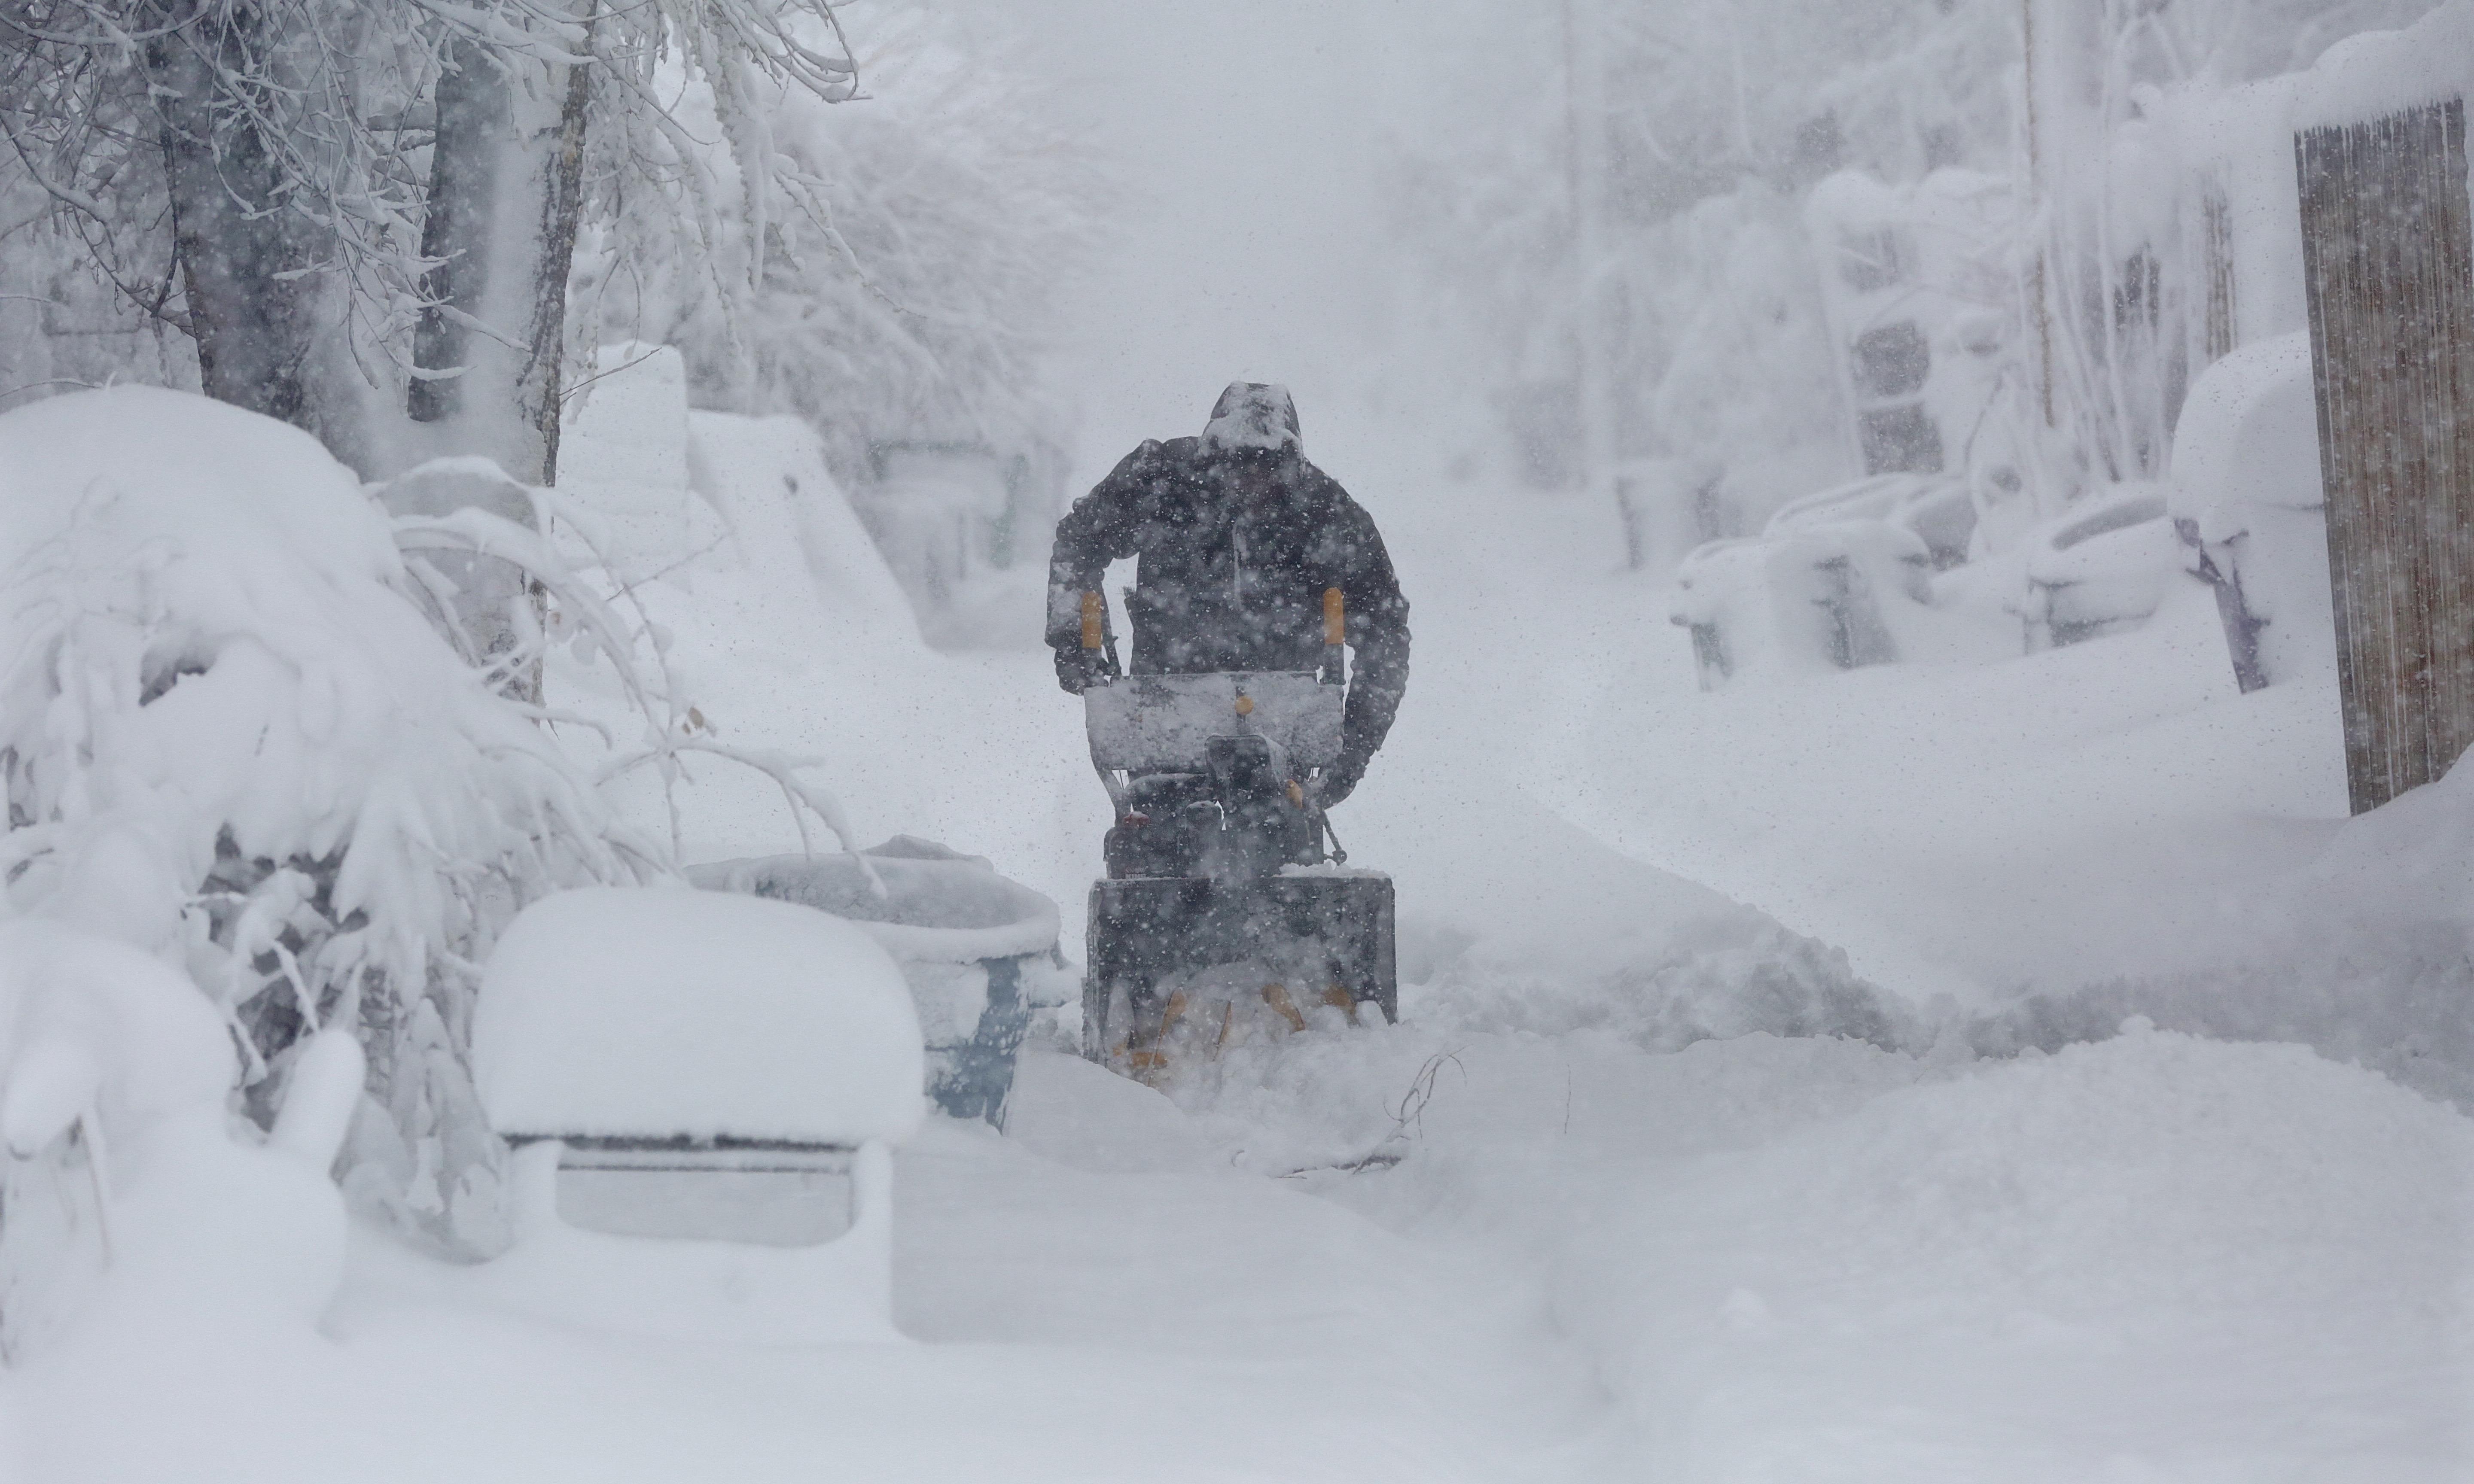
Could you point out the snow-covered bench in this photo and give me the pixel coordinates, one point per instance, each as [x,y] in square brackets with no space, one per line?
[704,1092]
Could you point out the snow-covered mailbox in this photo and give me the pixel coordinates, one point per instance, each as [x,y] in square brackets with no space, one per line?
[2247,503]
[972,945]
[703,1092]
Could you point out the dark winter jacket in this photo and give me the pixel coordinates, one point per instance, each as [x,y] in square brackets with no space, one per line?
[1226,584]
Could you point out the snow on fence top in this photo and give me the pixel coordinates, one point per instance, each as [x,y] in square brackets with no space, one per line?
[656,1013]
[2382,72]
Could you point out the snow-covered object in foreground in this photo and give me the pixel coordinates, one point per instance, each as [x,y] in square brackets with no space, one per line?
[132,1215]
[703,1088]
[659,1012]
[231,737]
[2248,504]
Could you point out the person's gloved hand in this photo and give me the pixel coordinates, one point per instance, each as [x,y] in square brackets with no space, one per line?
[1079,669]
[1336,782]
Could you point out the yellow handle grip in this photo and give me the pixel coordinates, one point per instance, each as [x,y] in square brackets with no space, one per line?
[1335,617]
[1095,613]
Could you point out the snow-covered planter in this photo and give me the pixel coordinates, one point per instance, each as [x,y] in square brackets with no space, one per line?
[230,738]
[978,952]
[2248,505]
[726,1073]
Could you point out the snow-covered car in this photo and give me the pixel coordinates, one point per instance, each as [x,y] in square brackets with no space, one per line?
[1935,508]
[2103,568]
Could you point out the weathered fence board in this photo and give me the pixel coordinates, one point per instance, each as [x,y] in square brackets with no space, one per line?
[2216,320]
[2389,269]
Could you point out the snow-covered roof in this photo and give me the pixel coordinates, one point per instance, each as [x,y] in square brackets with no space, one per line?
[656,1013]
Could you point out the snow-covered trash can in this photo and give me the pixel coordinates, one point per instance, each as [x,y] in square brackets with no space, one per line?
[978,950]
[2248,505]
[703,1093]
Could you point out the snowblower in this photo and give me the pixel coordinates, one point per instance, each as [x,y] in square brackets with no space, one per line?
[1222,915]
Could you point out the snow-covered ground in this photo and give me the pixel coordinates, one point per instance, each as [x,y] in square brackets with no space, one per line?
[1610,1248]
[1664,1184]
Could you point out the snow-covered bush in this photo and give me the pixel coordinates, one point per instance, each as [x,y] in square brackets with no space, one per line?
[124,1191]
[231,739]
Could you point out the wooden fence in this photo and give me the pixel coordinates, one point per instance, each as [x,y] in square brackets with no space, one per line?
[2389,269]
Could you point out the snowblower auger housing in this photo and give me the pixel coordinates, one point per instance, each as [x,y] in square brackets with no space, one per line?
[1217,878]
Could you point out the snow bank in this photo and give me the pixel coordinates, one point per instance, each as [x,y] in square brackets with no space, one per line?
[2358,950]
[2075,1267]
[627,432]
[796,536]
[658,1013]
[775,620]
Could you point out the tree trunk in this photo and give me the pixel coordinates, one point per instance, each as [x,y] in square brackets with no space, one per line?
[244,258]
[505,189]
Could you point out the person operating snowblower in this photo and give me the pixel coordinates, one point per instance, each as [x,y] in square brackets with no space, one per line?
[1228,736]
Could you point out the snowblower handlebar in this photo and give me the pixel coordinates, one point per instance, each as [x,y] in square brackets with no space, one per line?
[1335,637]
[1099,665]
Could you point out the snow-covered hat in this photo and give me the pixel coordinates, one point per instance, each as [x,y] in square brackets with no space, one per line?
[1254,414]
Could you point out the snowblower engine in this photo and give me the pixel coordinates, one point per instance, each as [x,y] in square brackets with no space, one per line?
[1223,916]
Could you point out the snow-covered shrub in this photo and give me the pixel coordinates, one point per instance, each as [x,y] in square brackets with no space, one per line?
[230,738]
[123,1191]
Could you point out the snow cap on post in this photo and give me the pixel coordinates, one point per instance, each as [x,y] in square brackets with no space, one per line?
[1253,416]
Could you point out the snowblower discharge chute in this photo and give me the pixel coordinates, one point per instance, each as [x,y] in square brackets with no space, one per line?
[1223,914]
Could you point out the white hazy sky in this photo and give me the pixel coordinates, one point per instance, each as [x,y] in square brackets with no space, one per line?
[1254,246]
